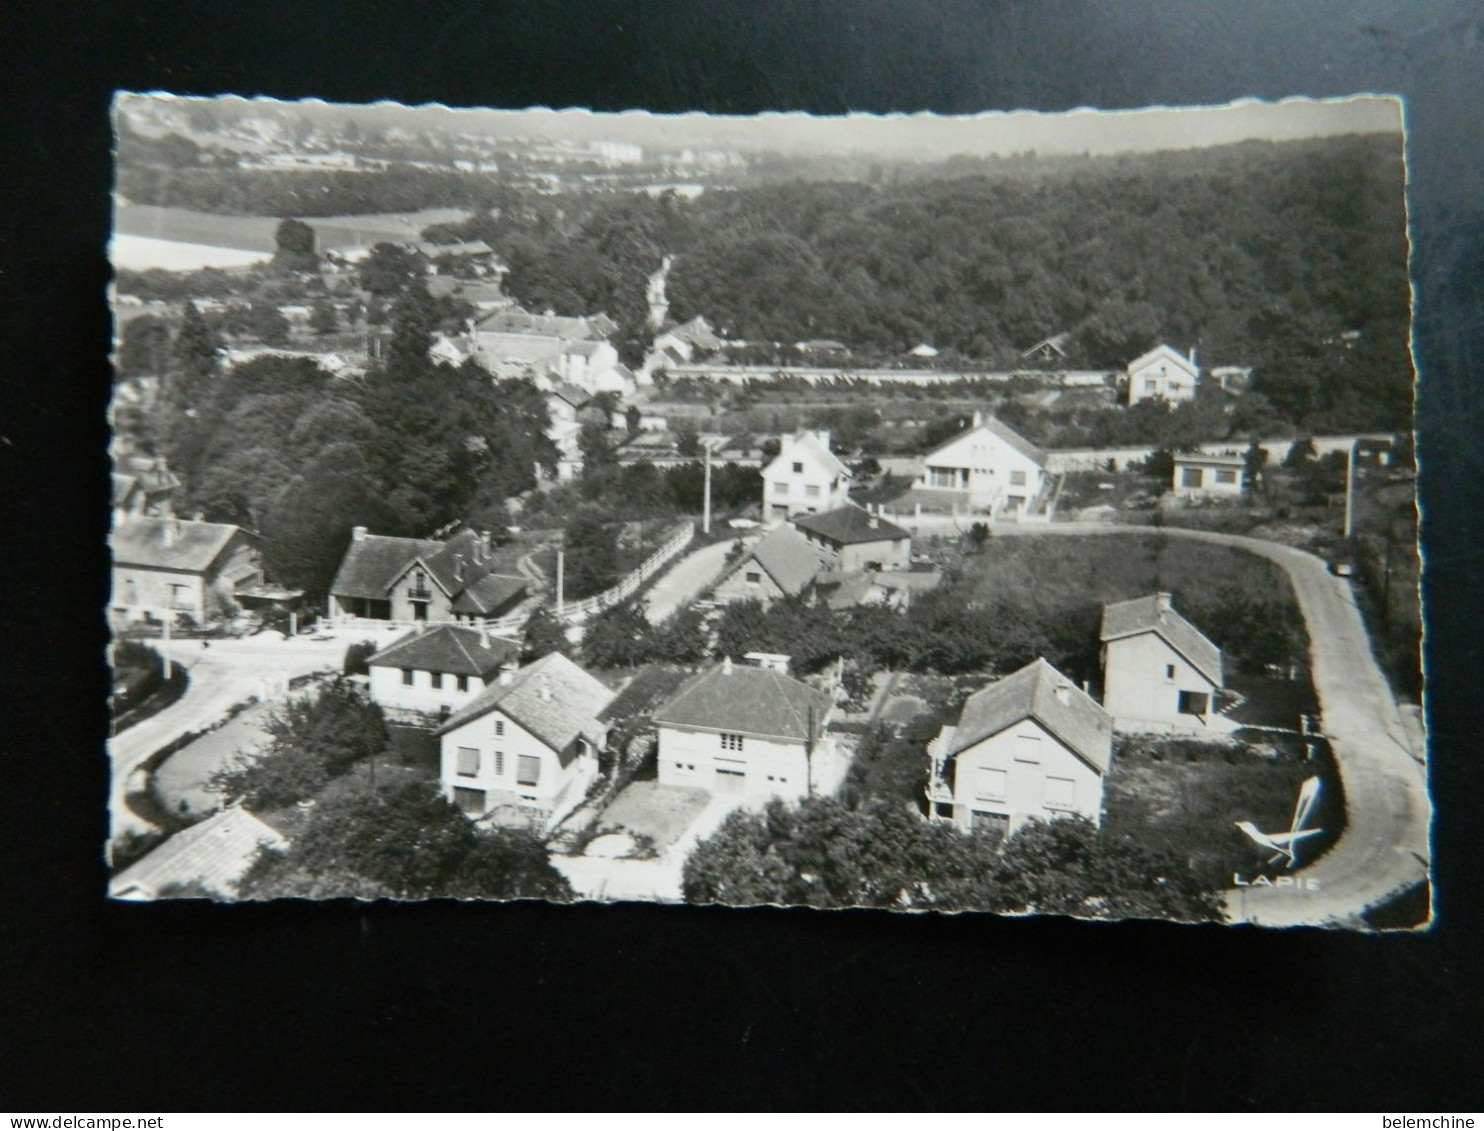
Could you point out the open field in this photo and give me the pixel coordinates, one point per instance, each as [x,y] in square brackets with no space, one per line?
[255,233]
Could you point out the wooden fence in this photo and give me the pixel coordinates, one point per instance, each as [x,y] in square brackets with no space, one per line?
[677,540]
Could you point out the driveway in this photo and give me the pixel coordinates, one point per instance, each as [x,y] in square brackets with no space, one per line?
[1385,847]
[686,580]
[221,676]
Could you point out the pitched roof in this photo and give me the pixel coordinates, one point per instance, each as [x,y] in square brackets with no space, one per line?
[741,699]
[517,321]
[492,591]
[809,443]
[374,561]
[849,525]
[698,333]
[789,559]
[213,854]
[552,698]
[170,543]
[123,487]
[1002,431]
[1168,352]
[1154,614]
[448,648]
[1053,343]
[584,348]
[1038,691]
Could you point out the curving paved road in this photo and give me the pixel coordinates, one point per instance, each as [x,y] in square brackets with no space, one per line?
[685,580]
[1385,847]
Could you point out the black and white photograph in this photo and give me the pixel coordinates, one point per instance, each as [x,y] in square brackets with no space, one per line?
[1008,513]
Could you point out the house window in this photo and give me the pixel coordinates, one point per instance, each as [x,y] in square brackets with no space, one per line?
[1017,479]
[470,801]
[1169,673]
[944,477]
[754,577]
[1060,793]
[1151,385]
[468,762]
[780,488]
[1190,477]
[731,742]
[499,763]
[1194,703]
[499,728]
[1226,475]
[798,469]
[994,825]
[461,682]
[811,491]
[1029,749]
[992,785]
[406,677]
[528,770]
[685,767]
[436,678]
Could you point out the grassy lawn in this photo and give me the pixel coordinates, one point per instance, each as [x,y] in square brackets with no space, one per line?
[1185,798]
[657,813]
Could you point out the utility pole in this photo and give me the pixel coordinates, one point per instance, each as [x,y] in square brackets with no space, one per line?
[1350,490]
[706,513]
[561,564]
[165,641]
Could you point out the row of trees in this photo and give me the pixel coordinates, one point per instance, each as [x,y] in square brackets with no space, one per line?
[829,852]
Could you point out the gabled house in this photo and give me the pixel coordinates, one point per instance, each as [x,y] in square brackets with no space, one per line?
[1049,349]
[527,744]
[436,670]
[1164,373]
[739,729]
[855,539]
[688,341]
[207,858]
[1201,476]
[1159,671]
[591,365]
[510,342]
[422,579]
[143,485]
[806,476]
[164,567]
[1031,746]
[783,564]
[989,467]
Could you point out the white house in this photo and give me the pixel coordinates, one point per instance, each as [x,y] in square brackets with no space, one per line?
[1164,373]
[527,745]
[436,670]
[806,476]
[741,729]
[1159,671]
[989,467]
[1032,746]
[594,366]
[1201,476]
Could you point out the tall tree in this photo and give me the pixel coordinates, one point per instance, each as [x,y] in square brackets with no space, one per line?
[294,247]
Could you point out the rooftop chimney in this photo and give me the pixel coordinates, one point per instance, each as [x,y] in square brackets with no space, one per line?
[357,533]
[1163,601]
[726,666]
[507,673]
[543,689]
[978,419]
[172,531]
[1063,694]
[484,634]
[484,545]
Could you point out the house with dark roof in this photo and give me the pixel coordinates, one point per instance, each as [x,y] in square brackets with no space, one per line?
[510,341]
[168,567]
[783,564]
[805,477]
[741,729]
[989,467]
[1159,671]
[1031,746]
[855,539]
[422,579]
[437,669]
[143,485]
[207,858]
[526,747]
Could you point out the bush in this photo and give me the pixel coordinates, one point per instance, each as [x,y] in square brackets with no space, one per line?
[357,655]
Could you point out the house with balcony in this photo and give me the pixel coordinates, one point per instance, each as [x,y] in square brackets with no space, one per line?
[526,747]
[742,729]
[1029,747]
[1201,476]
[806,477]
[988,467]
[1160,673]
[422,580]
[438,669]
[167,567]
[1164,373]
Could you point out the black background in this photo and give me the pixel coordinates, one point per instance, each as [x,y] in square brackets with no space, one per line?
[488,1008]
